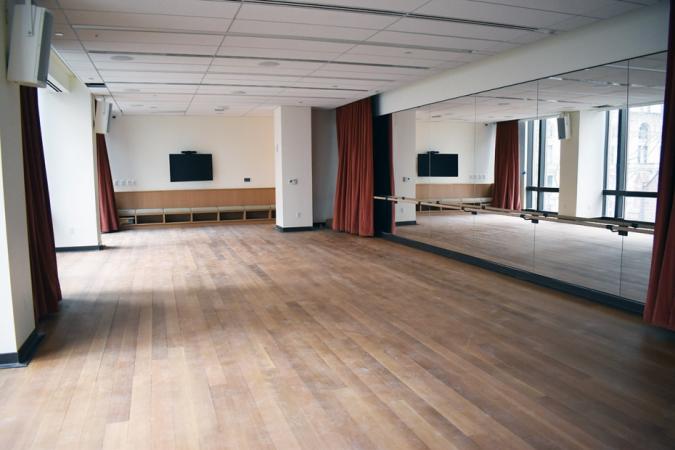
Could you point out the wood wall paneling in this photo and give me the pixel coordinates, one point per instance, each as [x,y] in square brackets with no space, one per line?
[438,191]
[194,198]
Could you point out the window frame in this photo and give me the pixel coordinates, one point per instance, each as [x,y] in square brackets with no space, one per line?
[539,188]
[620,193]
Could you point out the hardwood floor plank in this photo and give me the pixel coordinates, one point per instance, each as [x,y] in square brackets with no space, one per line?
[241,337]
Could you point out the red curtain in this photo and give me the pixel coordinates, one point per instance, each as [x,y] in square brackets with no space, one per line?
[43,269]
[353,209]
[391,172]
[660,307]
[506,190]
[106,194]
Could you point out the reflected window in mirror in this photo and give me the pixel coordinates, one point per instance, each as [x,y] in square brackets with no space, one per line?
[632,155]
[542,165]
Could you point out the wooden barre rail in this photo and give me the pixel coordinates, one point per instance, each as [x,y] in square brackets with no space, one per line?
[622,228]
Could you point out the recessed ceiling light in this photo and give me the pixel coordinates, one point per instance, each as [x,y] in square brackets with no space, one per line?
[121,57]
[220,108]
[58,34]
[268,63]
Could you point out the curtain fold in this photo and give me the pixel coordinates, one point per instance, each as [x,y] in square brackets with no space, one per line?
[506,189]
[353,208]
[107,207]
[43,267]
[392,188]
[660,306]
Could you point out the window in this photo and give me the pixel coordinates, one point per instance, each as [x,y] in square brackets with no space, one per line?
[542,156]
[632,153]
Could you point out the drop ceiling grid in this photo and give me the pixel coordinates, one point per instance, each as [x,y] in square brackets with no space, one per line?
[179,16]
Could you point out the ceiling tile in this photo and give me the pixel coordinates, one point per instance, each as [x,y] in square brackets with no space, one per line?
[472,10]
[257,27]
[148,21]
[313,16]
[170,7]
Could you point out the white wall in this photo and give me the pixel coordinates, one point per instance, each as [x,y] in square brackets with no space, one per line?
[16,295]
[293,161]
[473,142]
[139,148]
[638,33]
[582,165]
[569,168]
[404,151]
[324,163]
[70,159]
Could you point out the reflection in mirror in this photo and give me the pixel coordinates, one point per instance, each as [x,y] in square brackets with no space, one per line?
[588,151]
[636,170]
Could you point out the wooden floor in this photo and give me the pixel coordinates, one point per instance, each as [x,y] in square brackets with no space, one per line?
[241,337]
[591,257]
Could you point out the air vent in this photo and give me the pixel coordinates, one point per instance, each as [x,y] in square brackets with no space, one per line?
[602,106]
[95,85]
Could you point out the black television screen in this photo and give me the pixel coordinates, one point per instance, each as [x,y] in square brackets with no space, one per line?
[190,167]
[437,165]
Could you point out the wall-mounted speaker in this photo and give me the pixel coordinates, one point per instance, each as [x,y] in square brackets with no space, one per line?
[102,117]
[564,131]
[29,45]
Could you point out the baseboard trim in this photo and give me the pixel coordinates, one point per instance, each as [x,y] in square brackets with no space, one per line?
[293,229]
[405,223]
[25,354]
[81,248]
[614,301]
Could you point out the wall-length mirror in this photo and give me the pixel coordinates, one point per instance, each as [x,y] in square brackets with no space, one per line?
[557,177]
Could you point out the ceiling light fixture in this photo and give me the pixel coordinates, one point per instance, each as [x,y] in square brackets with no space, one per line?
[220,108]
[58,34]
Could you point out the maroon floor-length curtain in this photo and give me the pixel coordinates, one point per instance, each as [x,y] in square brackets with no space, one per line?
[506,190]
[391,172]
[660,306]
[353,208]
[43,269]
[107,207]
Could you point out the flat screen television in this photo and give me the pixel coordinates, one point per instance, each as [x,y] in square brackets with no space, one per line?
[437,165]
[191,167]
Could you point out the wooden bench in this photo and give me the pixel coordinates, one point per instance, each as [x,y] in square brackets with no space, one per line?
[469,193]
[200,205]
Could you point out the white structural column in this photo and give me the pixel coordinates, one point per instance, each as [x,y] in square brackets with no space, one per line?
[70,160]
[293,167]
[404,128]
[16,296]
[581,165]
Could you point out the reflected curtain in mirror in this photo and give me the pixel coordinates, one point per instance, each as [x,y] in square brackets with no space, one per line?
[42,251]
[506,190]
[353,208]
[106,194]
[660,307]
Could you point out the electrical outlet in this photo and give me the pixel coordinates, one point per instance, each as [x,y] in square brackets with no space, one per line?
[247,180]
